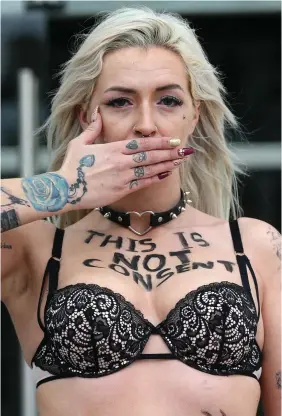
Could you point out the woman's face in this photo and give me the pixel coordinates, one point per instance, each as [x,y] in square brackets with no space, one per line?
[146,89]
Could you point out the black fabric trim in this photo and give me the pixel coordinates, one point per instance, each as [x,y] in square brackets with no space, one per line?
[58,243]
[51,270]
[56,255]
[243,263]
[156,356]
[241,260]
[54,267]
[41,294]
[58,377]
[248,264]
[236,236]
[44,380]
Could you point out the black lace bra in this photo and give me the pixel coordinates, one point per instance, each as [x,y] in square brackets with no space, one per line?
[91,331]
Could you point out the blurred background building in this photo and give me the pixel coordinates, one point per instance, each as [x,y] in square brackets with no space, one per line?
[241,38]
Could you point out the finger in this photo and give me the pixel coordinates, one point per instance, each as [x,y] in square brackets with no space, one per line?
[128,147]
[157,156]
[153,170]
[136,184]
[93,130]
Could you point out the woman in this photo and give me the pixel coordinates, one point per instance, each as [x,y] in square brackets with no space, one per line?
[148,305]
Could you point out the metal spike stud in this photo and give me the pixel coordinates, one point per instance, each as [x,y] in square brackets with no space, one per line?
[160,219]
[107,215]
[119,219]
[173,216]
[183,209]
[97,209]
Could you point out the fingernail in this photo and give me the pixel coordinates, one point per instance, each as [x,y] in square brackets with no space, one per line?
[94,114]
[185,151]
[174,142]
[164,175]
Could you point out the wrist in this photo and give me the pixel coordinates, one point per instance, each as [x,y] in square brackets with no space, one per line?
[48,192]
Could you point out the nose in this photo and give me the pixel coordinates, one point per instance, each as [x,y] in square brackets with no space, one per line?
[145,124]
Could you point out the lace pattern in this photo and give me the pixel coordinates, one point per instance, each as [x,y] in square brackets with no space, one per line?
[92,331]
[213,329]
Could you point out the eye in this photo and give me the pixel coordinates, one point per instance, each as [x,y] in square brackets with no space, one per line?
[117,102]
[171,99]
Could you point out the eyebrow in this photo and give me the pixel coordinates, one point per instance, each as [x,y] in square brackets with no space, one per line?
[132,91]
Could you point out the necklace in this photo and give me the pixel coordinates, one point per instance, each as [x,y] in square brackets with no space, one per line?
[156,218]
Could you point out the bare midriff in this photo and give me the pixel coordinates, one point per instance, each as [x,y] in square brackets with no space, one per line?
[151,388]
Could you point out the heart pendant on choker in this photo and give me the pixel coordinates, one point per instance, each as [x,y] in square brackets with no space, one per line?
[156,218]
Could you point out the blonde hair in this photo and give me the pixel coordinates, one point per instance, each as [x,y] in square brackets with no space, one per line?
[212,177]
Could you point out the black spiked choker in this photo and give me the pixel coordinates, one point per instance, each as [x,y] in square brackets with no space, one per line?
[156,218]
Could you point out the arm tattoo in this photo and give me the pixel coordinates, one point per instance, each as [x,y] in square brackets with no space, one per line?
[139,172]
[50,192]
[278,380]
[14,200]
[139,157]
[276,241]
[132,145]
[9,217]
[9,220]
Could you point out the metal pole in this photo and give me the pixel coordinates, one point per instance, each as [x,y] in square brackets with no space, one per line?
[28,121]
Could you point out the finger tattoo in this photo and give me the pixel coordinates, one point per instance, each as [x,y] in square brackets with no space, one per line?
[140,157]
[139,172]
[133,184]
[132,145]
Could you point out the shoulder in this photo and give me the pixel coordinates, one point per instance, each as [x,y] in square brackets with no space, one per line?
[262,244]
[260,235]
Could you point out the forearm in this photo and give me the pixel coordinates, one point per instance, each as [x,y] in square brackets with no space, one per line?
[24,200]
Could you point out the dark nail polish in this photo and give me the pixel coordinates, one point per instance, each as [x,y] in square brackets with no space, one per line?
[186,151]
[163,175]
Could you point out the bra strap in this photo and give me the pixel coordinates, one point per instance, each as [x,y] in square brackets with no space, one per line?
[243,262]
[56,256]
[51,270]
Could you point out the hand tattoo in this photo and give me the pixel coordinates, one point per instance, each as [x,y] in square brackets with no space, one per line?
[139,157]
[133,184]
[46,192]
[86,161]
[139,172]
[132,145]
[50,192]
